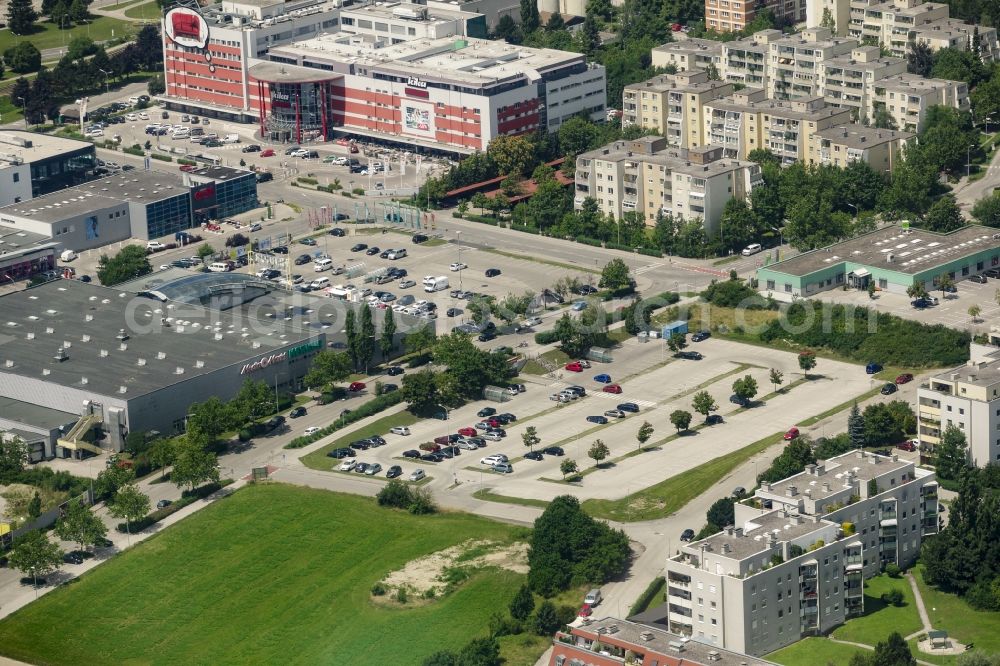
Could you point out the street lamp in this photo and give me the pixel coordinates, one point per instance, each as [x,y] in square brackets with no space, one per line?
[107,91]
[968,160]
[781,240]
[24,110]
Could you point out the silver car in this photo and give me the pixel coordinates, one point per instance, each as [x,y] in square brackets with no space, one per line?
[417,474]
[373,469]
[503,468]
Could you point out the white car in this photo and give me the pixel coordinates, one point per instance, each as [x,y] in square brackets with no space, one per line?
[457,266]
[94,133]
[311,430]
[133,100]
[467,445]
[155,246]
[406,284]
[417,474]
[493,459]
[399,430]
[347,465]
[301,152]
[493,437]
[752,249]
[532,321]
[143,115]
[131,116]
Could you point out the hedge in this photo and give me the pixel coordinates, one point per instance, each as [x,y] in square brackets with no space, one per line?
[588,241]
[370,408]
[134,150]
[618,246]
[307,181]
[526,229]
[162,158]
[181,160]
[546,337]
[187,497]
[492,221]
[650,252]
[360,191]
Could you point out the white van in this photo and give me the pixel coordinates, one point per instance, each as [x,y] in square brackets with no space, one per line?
[320,283]
[436,284]
[182,133]
[323,264]
[218,267]
[231,138]
[752,248]
[67,255]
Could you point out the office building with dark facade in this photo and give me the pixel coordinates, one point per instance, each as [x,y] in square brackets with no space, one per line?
[219,191]
[32,165]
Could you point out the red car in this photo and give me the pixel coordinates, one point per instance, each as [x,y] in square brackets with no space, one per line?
[356,386]
[494,423]
[188,167]
[792,433]
[612,388]
[467,432]
[574,367]
[908,445]
[586,611]
[267,152]
[905,378]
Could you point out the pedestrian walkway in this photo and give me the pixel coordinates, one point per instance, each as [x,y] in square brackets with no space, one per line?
[921,609]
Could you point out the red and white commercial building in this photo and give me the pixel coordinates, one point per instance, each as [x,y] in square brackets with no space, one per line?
[394,72]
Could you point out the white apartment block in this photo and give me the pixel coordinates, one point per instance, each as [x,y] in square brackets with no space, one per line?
[746,60]
[843,145]
[647,176]
[795,61]
[967,397]
[672,105]
[849,80]
[793,563]
[688,54]
[907,97]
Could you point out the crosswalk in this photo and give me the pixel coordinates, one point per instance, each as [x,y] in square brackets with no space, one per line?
[645,269]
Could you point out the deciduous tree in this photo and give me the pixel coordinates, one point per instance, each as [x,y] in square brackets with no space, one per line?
[530,437]
[79,524]
[129,503]
[131,262]
[522,604]
[776,378]
[807,361]
[598,451]
[645,432]
[568,467]
[193,465]
[704,403]
[34,555]
[615,275]
[680,419]
[328,366]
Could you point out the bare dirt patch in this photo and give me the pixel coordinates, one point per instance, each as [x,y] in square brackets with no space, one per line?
[438,573]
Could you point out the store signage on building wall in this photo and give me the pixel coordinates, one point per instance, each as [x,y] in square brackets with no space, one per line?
[186,27]
[303,349]
[263,363]
[415,82]
[280,96]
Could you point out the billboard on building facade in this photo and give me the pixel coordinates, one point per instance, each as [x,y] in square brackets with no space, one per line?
[186,27]
[418,119]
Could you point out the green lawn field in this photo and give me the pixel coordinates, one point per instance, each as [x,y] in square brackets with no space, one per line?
[48,36]
[273,574]
[814,652]
[880,619]
[148,11]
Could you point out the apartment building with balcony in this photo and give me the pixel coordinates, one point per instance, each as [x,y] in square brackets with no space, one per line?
[673,105]
[967,397]
[748,120]
[849,80]
[691,53]
[730,15]
[907,97]
[745,61]
[956,34]
[794,562]
[794,62]
[648,176]
[842,145]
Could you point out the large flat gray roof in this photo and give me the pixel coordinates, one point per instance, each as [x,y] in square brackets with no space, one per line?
[58,206]
[37,322]
[12,238]
[35,147]
[137,186]
[753,539]
[35,415]
[915,251]
[220,173]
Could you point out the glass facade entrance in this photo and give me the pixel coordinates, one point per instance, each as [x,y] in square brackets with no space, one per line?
[298,112]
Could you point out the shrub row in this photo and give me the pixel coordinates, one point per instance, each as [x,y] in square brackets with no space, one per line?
[618,246]
[360,191]
[650,252]
[187,497]
[492,221]
[134,150]
[588,241]
[307,181]
[545,337]
[370,408]
[182,160]
[162,158]
[526,229]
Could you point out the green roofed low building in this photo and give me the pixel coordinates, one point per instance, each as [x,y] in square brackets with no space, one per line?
[892,258]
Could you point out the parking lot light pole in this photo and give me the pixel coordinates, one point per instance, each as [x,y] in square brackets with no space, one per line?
[968,160]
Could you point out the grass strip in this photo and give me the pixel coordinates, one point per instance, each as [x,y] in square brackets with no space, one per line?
[652,594]
[524,257]
[318,459]
[487,495]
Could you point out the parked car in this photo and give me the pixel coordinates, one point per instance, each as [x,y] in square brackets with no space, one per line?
[586,611]
[629,407]
[904,378]
[361,468]
[503,468]
[394,370]
[873,368]
[412,453]
[908,445]
[701,335]
[553,451]
[297,412]
[486,411]
[338,232]
[359,247]
[889,389]
[373,469]
[690,355]
[356,386]
[347,465]
[492,272]
[612,388]
[163,504]
[574,367]
[400,430]
[593,597]
[602,378]
[417,474]
[687,535]
[534,455]
[467,432]
[393,472]
[980,279]
[72,557]
[615,414]
[714,419]
[493,459]
[420,238]
[597,419]
[791,434]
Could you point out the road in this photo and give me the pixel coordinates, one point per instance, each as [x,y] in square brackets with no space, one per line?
[967,194]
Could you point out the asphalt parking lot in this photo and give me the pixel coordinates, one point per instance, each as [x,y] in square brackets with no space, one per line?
[659,386]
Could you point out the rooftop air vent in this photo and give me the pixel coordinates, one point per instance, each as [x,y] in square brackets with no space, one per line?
[140,362]
[61,355]
[122,335]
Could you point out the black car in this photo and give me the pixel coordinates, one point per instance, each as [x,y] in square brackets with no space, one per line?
[377,440]
[687,535]
[338,232]
[394,370]
[275,421]
[412,453]
[714,419]
[454,312]
[384,254]
[453,450]
[302,259]
[889,389]
[341,453]
[629,407]
[73,557]
[920,303]
[690,355]
[586,290]
[701,335]
[252,148]
[431,457]
[737,400]
[389,388]
[281,249]
[372,251]
[297,412]
[553,451]
[361,445]
[486,411]
[163,504]
[265,176]
[359,247]
[393,472]
[420,238]
[597,419]
[486,336]
[506,417]
[340,217]
[492,272]
[534,455]
[992,272]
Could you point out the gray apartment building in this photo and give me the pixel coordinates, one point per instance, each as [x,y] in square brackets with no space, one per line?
[793,564]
